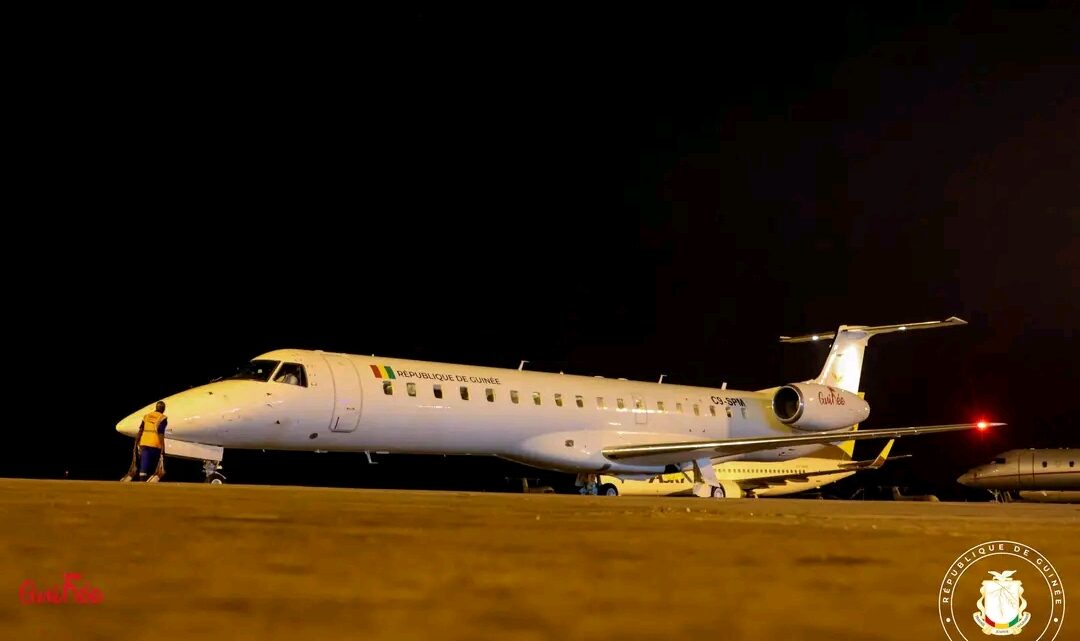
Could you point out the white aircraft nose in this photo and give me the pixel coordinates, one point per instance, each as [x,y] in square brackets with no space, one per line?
[187,412]
[130,426]
[966,478]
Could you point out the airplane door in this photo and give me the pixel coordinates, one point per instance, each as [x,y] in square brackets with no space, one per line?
[641,416]
[347,394]
[1026,471]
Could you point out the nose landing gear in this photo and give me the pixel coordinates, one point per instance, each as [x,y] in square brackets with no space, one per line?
[213,475]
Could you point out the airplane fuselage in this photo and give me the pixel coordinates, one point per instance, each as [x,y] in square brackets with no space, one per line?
[738,473]
[554,421]
[1045,469]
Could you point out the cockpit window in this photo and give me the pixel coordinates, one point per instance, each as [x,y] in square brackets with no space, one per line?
[291,374]
[256,370]
[999,461]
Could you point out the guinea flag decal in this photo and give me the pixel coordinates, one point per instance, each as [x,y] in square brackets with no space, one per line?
[383,371]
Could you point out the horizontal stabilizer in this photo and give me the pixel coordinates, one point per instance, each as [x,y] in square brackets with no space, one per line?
[874,329]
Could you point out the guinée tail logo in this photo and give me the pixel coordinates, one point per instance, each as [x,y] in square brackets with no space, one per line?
[834,398]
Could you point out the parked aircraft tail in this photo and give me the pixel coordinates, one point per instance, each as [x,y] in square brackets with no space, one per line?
[843,366]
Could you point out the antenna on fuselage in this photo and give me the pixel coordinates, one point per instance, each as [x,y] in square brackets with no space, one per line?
[723,385]
[522,365]
[661,378]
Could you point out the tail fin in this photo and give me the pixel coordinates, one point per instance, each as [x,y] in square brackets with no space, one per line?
[843,367]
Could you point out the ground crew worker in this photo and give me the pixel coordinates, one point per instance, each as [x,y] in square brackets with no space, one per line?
[151,440]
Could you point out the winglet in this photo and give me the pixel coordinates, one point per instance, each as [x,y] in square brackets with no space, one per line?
[871,465]
[880,460]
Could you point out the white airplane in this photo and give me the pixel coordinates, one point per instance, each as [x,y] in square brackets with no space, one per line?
[753,478]
[1038,475]
[294,399]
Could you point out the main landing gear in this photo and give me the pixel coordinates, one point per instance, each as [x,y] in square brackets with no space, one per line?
[589,484]
[213,476]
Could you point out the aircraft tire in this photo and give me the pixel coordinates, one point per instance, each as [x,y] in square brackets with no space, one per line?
[609,489]
[216,478]
[718,493]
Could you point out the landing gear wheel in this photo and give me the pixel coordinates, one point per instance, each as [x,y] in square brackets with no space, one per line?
[718,493]
[213,475]
[609,489]
[589,484]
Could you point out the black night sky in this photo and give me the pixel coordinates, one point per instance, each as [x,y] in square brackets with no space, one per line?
[597,191]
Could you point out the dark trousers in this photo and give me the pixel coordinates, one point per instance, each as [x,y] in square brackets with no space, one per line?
[148,460]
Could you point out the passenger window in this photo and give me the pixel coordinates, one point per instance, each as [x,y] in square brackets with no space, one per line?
[388,387]
[1044,463]
[536,398]
[490,393]
[620,404]
[558,400]
[464,393]
[437,388]
[678,407]
[712,410]
[1072,463]
[600,403]
[697,410]
[291,374]
[743,411]
[411,388]
[638,405]
[513,396]
[660,406]
[580,400]
[727,410]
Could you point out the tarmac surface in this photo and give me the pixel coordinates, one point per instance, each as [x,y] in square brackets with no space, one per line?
[186,561]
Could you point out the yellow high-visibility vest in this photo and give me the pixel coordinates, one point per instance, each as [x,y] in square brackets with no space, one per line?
[150,436]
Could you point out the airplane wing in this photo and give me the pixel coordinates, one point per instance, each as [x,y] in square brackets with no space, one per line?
[870,465]
[783,479]
[842,467]
[683,452]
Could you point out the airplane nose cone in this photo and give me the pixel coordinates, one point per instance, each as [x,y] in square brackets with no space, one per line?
[130,426]
[965,479]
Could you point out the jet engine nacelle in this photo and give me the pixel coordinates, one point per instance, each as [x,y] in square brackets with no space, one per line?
[817,408]
[732,490]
